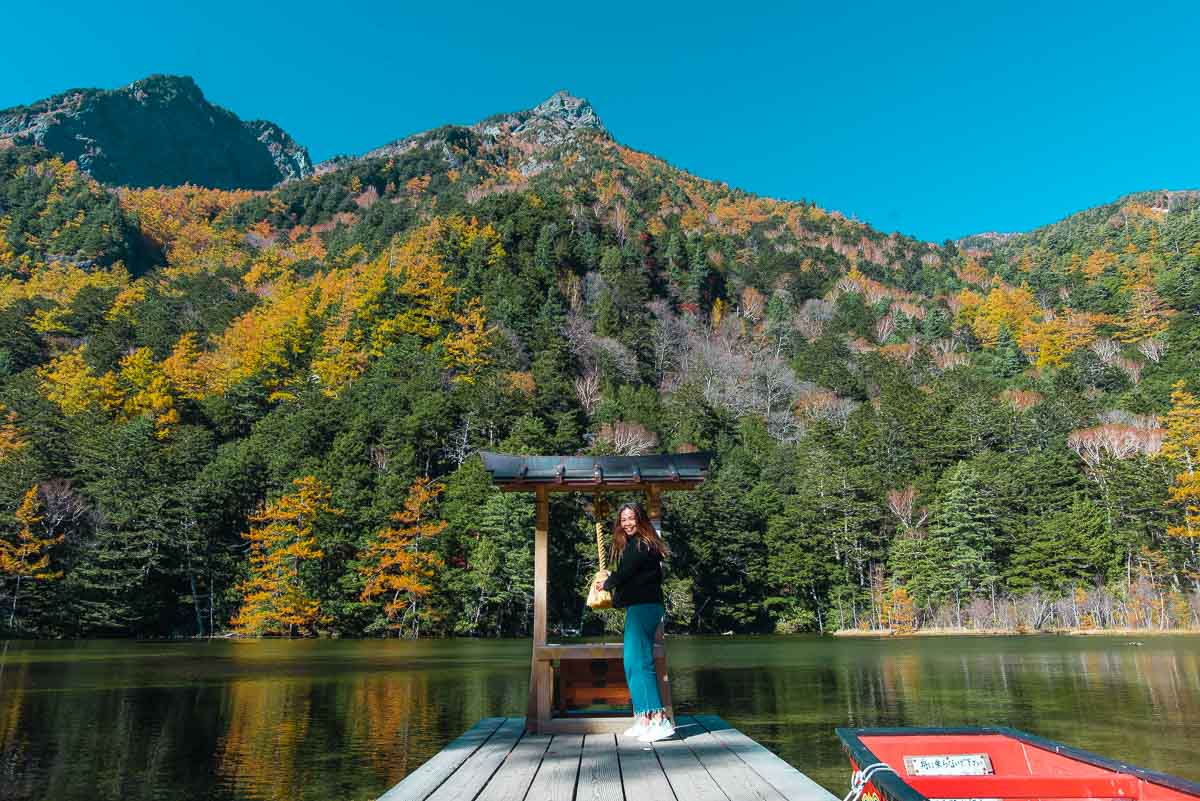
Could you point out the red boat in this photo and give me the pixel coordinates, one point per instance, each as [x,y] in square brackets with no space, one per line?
[989,764]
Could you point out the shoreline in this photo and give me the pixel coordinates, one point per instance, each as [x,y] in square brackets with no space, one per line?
[955,632]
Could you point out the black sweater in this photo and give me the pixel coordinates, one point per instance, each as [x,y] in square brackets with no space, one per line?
[638,577]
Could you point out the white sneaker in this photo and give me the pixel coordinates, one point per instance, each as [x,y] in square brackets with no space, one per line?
[659,730]
[636,730]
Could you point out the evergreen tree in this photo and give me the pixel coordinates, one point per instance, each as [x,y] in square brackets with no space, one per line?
[951,563]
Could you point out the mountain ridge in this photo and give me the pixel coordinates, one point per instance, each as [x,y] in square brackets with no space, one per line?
[159,130]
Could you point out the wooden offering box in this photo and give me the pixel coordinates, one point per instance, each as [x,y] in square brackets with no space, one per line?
[591,682]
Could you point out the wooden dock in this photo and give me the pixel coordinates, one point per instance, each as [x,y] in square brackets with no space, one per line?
[707,760]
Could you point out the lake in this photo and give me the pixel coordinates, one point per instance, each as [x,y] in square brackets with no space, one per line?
[109,720]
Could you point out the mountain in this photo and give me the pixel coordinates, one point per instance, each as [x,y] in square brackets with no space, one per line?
[157,131]
[993,432]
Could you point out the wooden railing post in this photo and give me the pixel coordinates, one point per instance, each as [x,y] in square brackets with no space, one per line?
[540,672]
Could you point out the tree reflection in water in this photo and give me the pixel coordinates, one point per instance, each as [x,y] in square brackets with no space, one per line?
[348,719]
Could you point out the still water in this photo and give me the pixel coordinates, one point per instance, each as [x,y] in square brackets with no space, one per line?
[335,720]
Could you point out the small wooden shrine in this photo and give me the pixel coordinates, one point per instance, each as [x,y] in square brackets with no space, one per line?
[590,673]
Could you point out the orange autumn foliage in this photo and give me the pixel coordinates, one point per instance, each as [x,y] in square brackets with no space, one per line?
[1004,306]
[396,565]
[12,440]
[282,540]
[27,556]
[1182,446]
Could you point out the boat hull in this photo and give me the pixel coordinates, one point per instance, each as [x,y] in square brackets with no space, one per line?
[994,763]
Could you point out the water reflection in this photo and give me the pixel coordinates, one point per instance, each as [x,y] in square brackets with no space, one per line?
[346,720]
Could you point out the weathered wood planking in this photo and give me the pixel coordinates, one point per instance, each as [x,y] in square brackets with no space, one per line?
[599,770]
[511,781]
[418,785]
[707,760]
[641,773]
[555,779]
[687,776]
[473,774]
[783,777]
[732,775]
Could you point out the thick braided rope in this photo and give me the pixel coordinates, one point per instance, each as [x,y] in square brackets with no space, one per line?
[601,509]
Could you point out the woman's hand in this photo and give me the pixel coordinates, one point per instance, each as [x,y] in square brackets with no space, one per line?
[598,585]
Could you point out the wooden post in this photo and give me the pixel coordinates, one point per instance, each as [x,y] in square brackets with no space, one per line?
[540,673]
[654,507]
[541,563]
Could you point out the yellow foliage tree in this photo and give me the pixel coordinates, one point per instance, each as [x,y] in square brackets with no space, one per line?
[148,391]
[12,440]
[27,557]
[282,540]
[1182,446]
[1050,342]
[266,342]
[1013,307]
[396,566]
[466,349]
[69,383]
[360,302]
[1097,262]
[183,367]
[903,614]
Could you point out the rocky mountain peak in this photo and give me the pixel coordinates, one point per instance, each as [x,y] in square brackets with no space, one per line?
[572,112]
[547,124]
[160,130]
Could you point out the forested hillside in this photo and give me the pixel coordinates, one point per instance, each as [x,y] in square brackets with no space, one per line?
[257,412]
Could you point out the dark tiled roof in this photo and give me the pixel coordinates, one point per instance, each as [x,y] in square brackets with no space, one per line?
[587,471]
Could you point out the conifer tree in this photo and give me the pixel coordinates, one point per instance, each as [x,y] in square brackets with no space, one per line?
[953,560]
[1182,446]
[1009,359]
[26,557]
[276,598]
[397,565]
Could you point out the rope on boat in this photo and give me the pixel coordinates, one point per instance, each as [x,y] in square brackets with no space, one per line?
[858,781]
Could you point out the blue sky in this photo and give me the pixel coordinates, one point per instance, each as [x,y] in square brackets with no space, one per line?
[937,120]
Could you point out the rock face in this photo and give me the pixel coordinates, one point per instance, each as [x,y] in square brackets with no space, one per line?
[157,131]
[551,123]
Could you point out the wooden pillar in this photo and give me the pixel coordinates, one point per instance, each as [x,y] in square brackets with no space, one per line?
[540,673]
[541,564]
[654,507]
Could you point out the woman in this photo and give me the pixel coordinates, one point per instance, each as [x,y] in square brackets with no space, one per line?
[636,586]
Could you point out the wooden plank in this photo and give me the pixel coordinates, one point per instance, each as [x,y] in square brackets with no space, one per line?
[588,724]
[472,775]
[588,485]
[687,776]
[555,779]
[594,650]
[599,770]
[732,775]
[417,785]
[641,773]
[793,784]
[512,779]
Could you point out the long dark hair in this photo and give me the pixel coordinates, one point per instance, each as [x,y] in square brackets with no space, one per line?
[644,532]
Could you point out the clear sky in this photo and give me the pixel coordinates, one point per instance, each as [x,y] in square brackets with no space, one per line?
[937,120]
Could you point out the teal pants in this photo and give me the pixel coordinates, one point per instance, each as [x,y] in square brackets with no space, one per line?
[641,621]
